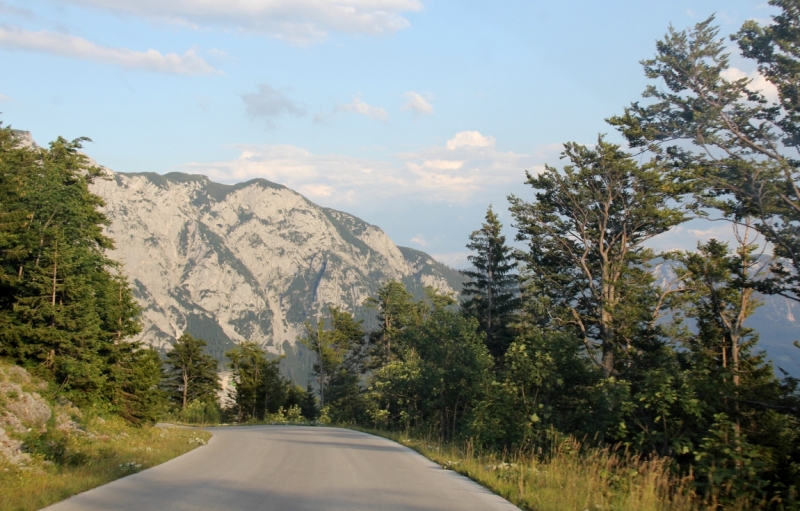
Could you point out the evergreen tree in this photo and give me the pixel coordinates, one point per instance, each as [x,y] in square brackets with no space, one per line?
[492,290]
[136,380]
[308,404]
[191,374]
[66,311]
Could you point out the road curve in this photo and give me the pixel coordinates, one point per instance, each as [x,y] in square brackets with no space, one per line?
[291,468]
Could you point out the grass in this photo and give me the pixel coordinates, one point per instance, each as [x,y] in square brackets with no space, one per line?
[66,464]
[570,478]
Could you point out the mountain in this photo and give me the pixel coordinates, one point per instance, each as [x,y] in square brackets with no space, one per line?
[251,261]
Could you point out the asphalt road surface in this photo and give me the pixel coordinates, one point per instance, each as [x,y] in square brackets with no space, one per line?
[291,468]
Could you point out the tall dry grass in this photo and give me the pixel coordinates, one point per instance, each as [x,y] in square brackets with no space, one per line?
[69,464]
[571,478]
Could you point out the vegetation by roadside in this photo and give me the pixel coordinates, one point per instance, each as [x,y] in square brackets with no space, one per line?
[50,449]
[569,477]
[64,464]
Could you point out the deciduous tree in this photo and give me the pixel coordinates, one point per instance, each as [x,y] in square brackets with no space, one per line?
[191,374]
[586,257]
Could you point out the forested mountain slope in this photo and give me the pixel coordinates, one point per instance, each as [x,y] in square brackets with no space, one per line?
[251,261]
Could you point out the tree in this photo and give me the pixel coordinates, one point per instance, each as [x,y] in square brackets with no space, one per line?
[439,373]
[492,290]
[586,232]
[739,428]
[258,387]
[728,136]
[66,310]
[395,308]
[338,349]
[191,374]
[136,379]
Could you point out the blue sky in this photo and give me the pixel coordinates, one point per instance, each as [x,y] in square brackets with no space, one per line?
[414,115]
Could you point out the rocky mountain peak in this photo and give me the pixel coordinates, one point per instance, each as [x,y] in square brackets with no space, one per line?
[253,260]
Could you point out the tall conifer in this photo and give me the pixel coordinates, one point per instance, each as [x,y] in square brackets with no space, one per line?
[492,291]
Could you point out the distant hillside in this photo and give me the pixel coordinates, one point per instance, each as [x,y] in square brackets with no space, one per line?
[250,261]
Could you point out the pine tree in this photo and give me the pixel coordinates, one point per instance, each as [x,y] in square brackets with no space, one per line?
[191,375]
[492,290]
[258,386]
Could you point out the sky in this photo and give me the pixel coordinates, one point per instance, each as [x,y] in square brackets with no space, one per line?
[414,115]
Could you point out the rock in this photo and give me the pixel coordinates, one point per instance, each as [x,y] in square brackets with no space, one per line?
[66,412]
[14,374]
[251,261]
[11,449]
[12,422]
[29,408]
[65,424]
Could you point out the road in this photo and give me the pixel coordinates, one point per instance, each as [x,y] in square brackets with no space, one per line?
[291,468]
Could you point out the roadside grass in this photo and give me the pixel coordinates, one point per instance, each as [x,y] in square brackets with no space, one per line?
[570,478]
[66,464]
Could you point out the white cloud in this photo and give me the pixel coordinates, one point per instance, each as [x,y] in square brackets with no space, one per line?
[268,104]
[360,107]
[434,174]
[3,97]
[456,260]
[76,47]
[218,54]
[470,139]
[418,103]
[758,82]
[297,21]
[419,239]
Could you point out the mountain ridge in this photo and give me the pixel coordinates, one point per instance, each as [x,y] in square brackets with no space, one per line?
[252,260]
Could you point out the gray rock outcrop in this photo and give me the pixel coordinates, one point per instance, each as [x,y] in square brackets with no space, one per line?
[248,261]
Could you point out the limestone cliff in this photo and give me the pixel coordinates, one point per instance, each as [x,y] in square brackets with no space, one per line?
[247,261]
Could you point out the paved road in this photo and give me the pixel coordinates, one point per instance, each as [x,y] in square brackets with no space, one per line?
[291,468]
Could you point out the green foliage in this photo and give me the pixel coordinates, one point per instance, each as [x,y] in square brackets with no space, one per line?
[547,385]
[439,377]
[395,310]
[66,311]
[191,374]
[259,391]
[339,352]
[201,412]
[741,144]
[492,291]
[585,263]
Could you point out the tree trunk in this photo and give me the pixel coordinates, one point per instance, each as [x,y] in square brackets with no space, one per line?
[55,272]
[185,387]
